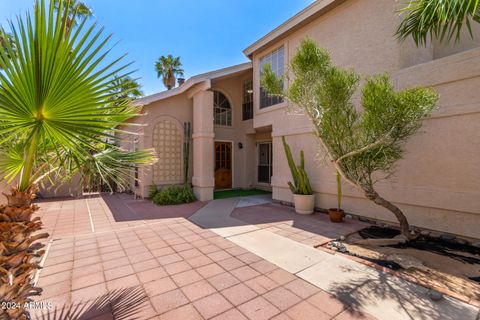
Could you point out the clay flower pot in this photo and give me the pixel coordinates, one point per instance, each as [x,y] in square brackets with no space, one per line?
[304,204]
[336,215]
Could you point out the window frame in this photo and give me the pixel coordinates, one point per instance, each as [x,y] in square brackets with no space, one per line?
[228,117]
[278,66]
[247,100]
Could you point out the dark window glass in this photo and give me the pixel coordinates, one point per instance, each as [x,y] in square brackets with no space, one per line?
[265,162]
[276,61]
[247,108]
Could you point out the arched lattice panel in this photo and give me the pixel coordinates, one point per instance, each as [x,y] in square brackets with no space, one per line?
[167,141]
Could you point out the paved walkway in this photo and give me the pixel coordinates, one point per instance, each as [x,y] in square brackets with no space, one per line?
[127,259]
[112,257]
[363,288]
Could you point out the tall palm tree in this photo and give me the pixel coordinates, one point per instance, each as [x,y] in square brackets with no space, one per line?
[4,39]
[168,68]
[441,19]
[56,115]
[78,10]
[125,88]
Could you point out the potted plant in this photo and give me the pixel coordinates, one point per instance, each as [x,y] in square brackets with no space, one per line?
[336,214]
[303,196]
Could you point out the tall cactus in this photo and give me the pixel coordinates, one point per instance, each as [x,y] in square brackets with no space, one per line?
[301,183]
[187,133]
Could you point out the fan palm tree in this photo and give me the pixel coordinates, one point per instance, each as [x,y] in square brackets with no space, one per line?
[56,114]
[168,68]
[441,19]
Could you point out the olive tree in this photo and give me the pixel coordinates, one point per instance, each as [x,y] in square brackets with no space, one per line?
[362,145]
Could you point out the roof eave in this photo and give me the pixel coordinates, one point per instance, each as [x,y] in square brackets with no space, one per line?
[302,18]
[192,82]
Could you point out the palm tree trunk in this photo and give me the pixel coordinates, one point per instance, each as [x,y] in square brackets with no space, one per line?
[402,219]
[19,252]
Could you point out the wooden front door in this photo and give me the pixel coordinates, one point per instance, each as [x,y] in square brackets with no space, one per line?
[223,165]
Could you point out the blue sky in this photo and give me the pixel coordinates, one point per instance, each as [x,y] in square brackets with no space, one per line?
[207,34]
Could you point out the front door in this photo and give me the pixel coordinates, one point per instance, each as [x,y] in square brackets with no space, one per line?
[223,165]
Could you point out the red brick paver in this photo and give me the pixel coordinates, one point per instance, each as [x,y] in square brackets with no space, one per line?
[162,266]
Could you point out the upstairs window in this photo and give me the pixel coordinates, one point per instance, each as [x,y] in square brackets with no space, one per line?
[222,109]
[276,60]
[247,107]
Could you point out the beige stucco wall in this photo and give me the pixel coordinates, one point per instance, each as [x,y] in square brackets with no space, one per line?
[177,109]
[437,183]
[180,109]
[239,132]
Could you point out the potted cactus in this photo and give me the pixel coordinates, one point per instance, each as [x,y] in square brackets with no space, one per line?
[336,214]
[303,196]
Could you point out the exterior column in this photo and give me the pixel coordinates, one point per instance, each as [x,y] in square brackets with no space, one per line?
[203,135]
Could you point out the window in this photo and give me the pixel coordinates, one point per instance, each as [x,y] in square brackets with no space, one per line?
[222,109]
[265,162]
[276,60]
[247,107]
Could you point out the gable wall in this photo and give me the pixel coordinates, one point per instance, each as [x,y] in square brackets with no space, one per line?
[437,183]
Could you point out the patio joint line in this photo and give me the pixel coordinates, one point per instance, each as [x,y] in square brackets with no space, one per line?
[133,211]
[90,216]
[42,262]
[106,231]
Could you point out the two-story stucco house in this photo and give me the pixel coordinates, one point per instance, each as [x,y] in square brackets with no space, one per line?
[237,127]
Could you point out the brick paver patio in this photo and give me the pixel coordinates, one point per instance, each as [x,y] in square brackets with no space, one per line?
[113,258]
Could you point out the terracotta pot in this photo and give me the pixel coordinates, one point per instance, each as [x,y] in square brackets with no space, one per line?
[336,215]
[304,204]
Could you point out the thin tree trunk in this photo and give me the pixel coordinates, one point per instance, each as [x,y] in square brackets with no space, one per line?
[402,219]
[19,252]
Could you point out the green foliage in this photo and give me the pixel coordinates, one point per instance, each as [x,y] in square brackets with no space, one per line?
[55,101]
[441,19]
[339,191]
[6,42]
[152,192]
[358,143]
[301,183]
[124,89]
[172,195]
[167,68]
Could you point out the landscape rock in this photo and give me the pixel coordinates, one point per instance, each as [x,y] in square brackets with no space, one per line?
[339,246]
[447,237]
[435,295]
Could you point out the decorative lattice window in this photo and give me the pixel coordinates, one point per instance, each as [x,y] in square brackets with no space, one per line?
[167,141]
[222,109]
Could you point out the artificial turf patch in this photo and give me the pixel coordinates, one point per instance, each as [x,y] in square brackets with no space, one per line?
[238,193]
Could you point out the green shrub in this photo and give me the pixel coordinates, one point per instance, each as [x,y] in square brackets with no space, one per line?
[153,191]
[170,195]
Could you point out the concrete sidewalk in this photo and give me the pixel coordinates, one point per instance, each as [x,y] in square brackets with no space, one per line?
[357,286]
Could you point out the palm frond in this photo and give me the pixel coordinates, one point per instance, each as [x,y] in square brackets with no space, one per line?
[441,19]
[55,94]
